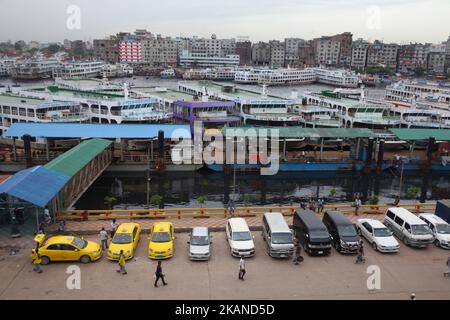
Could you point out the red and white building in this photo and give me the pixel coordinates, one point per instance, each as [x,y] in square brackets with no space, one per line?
[130,51]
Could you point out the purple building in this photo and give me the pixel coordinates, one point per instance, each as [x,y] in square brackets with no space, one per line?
[213,114]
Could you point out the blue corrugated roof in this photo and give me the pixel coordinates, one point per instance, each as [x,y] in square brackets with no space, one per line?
[37,185]
[80,130]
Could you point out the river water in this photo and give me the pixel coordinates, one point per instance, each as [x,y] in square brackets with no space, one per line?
[182,189]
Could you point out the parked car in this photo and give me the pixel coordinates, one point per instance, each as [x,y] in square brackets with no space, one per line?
[66,248]
[408,227]
[160,241]
[200,244]
[126,238]
[343,233]
[277,235]
[311,232]
[239,238]
[439,228]
[378,235]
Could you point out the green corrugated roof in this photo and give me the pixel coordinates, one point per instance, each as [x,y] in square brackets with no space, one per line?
[78,157]
[422,134]
[298,132]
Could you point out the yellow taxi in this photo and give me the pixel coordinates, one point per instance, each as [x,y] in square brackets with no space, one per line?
[126,238]
[66,248]
[160,245]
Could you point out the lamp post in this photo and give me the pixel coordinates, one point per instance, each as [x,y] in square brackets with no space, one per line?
[401,179]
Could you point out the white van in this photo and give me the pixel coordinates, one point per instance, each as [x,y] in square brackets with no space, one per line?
[239,238]
[440,229]
[277,235]
[408,227]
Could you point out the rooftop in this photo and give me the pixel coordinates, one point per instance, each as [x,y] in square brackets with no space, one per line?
[422,134]
[299,132]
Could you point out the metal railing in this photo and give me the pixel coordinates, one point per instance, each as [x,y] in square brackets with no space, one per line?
[179,213]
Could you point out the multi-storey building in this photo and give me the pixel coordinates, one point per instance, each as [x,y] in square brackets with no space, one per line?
[261,53]
[447,55]
[277,52]
[78,49]
[382,54]
[345,52]
[421,55]
[306,54]
[160,51]
[406,58]
[292,46]
[359,53]
[244,50]
[106,50]
[436,61]
[327,51]
[130,51]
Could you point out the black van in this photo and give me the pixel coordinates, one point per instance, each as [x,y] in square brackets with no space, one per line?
[311,232]
[343,233]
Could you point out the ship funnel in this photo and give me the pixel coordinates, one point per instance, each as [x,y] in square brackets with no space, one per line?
[362,93]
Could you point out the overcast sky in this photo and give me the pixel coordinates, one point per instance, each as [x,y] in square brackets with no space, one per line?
[389,20]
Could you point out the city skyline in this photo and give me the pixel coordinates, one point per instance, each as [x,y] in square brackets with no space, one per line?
[389,21]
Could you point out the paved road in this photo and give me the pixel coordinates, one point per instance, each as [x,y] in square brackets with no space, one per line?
[333,277]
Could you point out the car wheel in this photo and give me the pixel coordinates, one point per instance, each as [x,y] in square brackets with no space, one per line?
[374,246]
[437,243]
[405,241]
[85,259]
[45,260]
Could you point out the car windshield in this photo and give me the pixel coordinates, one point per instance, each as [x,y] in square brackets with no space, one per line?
[242,236]
[79,243]
[443,228]
[347,231]
[381,232]
[319,234]
[199,241]
[420,229]
[122,238]
[282,238]
[161,237]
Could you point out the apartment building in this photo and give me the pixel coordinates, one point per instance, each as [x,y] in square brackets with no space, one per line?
[327,51]
[345,53]
[261,53]
[436,61]
[130,51]
[382,55]
[406,58]
[360,48]
[244,50]
[421,55]
[277,53]
[160,51]
[292,46]
[106,50]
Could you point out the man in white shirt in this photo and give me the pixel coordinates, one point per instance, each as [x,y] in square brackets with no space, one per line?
[113,228]
[104,239]
[241,269]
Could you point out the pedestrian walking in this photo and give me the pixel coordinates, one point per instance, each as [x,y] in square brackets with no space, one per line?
[297,252]
[104,238]
[242,271]
[113,228]
[122,262]
[396,201]
[303,205]
[357,205]
[62,227]
[231,206]
[36,260]
[321,204]
[159,275]
[446,274]
[312,205]
[360,257]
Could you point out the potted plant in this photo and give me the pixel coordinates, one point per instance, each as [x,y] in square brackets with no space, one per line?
[201,201]
[108,201]
[373,200]
[156,200]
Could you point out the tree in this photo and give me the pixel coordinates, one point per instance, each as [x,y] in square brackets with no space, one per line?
[246,200]
[108,201]
[156,200]
[201,200]
[412,193]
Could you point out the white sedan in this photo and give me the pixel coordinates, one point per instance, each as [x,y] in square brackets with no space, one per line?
[378,235]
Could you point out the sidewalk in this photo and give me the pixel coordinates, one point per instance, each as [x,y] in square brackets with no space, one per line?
[185,224]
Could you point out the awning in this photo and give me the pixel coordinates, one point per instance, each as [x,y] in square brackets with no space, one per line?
[36,185]
[299,132]
[422,134]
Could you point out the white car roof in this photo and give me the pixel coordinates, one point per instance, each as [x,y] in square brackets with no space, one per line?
[373,223]
[200,231]
[434,219]
[406,215]
[238,224]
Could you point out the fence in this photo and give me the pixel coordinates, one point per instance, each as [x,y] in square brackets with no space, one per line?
[224,212]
